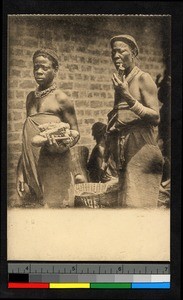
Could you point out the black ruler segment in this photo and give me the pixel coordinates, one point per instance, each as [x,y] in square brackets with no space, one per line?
[18,277]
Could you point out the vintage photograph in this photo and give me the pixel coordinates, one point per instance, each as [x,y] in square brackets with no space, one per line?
[89,144]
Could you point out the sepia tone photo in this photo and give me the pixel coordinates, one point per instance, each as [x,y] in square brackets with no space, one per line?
[89,137]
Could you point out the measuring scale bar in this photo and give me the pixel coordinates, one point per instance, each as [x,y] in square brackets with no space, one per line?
[89,268]
[92,275]
[98,278]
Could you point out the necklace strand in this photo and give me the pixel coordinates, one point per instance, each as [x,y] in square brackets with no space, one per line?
[41,94]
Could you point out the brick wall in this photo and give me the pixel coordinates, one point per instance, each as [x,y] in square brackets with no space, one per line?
[82,43]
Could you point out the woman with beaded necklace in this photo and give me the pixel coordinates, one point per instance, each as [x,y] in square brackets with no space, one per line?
[44,169]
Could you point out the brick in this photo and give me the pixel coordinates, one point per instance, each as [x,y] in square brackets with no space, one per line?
[66,85]
[68,48]
[13,84]
[100,70]
[85,140]
[83,94]
[86,68]
[103,95]
[16,104]
[146,66]
[66,58]
[105,61]
[17,63]
[27,73]
[27,84]
[78,76]
[92,77]
[89,121]
[82,131]
[16,51]
[104,112]
[94,51]
[81,59]
[13,156]
[88,131]
[10,126]
[89,60]
[95,86]
[81,49]
[29,64]
[90,95]
[11,165]
[71,76]
[82,103]
[95,61]
[96,112]
[17,115]
[106,87]
[10,188]
[103,120]
[80,113]
[28,52]
[31,43]
[9,116]
[11,177]
[81,85]
[86,77]
[11,94]
[102,78]
[19,94]
[96,104]
[88,112]
[106,53]
[67,92]
[14,41]
[16,147]
[110,95]
[15,72]
[63,76]
[80,121]
[72,67]
[109,103]
[75,94]
[18,126]
[96,94]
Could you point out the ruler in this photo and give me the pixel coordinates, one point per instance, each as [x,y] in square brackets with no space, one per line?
[68,275]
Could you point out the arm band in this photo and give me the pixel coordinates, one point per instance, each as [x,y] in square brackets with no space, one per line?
[139,109]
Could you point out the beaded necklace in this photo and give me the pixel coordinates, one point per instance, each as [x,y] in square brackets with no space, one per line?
[41,94]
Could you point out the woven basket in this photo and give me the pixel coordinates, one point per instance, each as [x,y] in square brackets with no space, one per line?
[95,195]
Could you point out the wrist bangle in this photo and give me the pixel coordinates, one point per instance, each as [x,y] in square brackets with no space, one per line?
[139,109]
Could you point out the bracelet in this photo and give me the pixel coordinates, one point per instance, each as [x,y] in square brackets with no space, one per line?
[139,109]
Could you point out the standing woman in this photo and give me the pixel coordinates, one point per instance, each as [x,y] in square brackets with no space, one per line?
[44,168]
[131,124]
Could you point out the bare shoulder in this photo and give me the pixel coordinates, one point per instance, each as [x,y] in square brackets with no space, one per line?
[63,99]
[146,82]
[30,98]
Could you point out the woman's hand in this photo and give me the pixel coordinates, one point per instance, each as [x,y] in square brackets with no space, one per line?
[20,185]
[120,85]
[56,147]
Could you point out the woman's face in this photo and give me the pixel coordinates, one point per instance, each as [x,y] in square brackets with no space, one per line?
[44,72]
[121,55]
